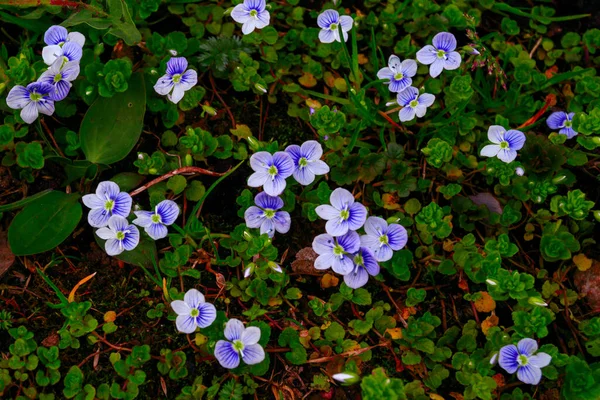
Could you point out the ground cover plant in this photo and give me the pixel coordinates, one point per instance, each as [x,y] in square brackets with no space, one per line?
[296,199]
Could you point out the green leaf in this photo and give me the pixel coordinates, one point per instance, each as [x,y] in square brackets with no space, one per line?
[44,223]
[122,25]
[112,126]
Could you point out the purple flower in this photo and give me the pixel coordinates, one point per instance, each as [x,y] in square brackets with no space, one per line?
[119,236]
[365,264]
[177,80]
[441,55]
[505,144]
[328,21]
[382,239]
[241,342]
[271,171]
[399,73]
[252,14]
[521,358]
[107,201]
[265,215]
[519,171]
[413,103]
[193,312]
[31,100]
[343,214]
[155,223]
[60,76]
[336,253]
[563,121]
[61,43]
[307,161]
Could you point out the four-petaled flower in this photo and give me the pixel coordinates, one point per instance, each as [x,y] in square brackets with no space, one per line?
[61,43]
[365,264]
[307,161]
[329,21]
[266,217]
[31,100]
[383,239]
[193,312]
[271,171]
[441,55]
[413,103]
[177,80]
[155,223]
[252,14]
[107,201]
[399,73]
[119,235]
[343,214]
[336,253]
[523,359]
[60,76]
[563,121]
[241,342]
[506,143]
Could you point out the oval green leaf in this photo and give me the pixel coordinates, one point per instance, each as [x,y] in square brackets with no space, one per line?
[44,223]
[112,126]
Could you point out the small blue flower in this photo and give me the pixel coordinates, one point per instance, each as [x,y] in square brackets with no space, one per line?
[155,223]
[119,236]
[177,80]
[343,214]
[307,161]
[519,171]
[61,44]
[252,14]
[383,239]
[31,100]
[107,201]
[413,103]
[399,73]
[60,76]
[193,312]
[271,171]
[505,144]
[241,342]
[563,121]
[336,253]
[441,55]
[365,264]
[266,216]
[328,21]
[523,359]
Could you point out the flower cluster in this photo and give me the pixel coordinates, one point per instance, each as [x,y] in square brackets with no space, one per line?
[62,54]
[343,250]
[110,209]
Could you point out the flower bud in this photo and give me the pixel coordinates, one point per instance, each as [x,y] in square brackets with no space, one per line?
[492,282]
[346,378]
[275,267]
[558,179]
[596,140]
[597,215]
[98,49]
[247,235]
[391,103]
[188,160]
[537,301]
[253,143]
[153,171]
[260,87]
[519,171]
[494,358]
[249,270]
[209,110]
[173,52]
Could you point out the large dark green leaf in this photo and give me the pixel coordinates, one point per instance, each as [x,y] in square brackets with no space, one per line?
[112,126]
[44,223]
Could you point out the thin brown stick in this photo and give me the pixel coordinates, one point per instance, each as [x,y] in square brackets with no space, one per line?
[214,86]
[178,171]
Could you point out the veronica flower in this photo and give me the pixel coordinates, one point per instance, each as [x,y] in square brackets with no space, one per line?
[365,264]
[328,21]
[107,201]
[60,76]
[519,171]
[336,253]
[413,103]
[61,43]
[177,80]
[523,359]
[383,239]
[563,121]
[155,223]
[343,214]
[241,342]
[252,14]
[193,312]
[307,161]
[505,144]
[119,236]
[31,100]
[399,73]
[265,215]
[270,171]
[441,55]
